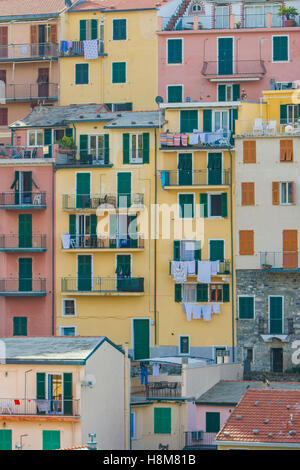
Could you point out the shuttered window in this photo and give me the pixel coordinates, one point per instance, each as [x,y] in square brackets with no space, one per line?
[119,72]
[212,422]
[276,314]
[202,292]
[175,94]
[188,120]
[280,48]
[186,206]
[178,293]
[51,440]
[248,196]
[286,150]
[88,29]
[246,242]
[119,30]
[275,193]
[162,420]
[246,308]
[216,250]
[5,439]
[174,51]
[249,151]
[81,74]
[20,326]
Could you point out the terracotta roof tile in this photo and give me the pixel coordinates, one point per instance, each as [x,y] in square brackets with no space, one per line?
[118,5]
[275,414]
[30,7]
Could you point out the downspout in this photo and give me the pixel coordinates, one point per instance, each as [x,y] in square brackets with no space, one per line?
[53,250]
[126,396]
[155,243]
[232,257]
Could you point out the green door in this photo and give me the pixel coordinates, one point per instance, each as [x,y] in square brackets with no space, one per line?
[83,190]
[214,168]
[225,56]
[216,250]
[25,230]
[123,272]
[141,339]
[5,439]
[276,315]
[51,440]
[185,169]
[84,272]
[212,422]
[68,394]
[25,274]
[124,189]
[48,142]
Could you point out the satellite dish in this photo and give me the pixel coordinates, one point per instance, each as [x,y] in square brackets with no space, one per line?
[288,129]
[159,100]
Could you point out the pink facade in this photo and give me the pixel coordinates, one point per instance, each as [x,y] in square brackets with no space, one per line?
[197,415]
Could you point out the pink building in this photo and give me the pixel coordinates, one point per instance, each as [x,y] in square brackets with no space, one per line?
[213,51]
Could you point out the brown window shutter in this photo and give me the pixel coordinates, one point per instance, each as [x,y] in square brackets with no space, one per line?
[249,151]
[3,36]
[286,150]
[34,34]
[53,34]
[275,193]
[248,194]
[3,116]
[246,242]
[293,192]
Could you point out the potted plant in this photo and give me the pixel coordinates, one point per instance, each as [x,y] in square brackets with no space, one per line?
[266,267]
[238,24]
[66,148]
[289,13]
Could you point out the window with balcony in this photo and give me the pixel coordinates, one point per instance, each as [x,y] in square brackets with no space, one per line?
[222,16]
[35,138]
[189,293]
[256,15]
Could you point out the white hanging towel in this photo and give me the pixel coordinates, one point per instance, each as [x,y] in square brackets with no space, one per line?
[189,311]
[204,271]
[66,240]
[215,267]
[90,48]
[191,267]
[155,371]
[179,271]
[193,139]
[197,312]
[207,312]
[216,308]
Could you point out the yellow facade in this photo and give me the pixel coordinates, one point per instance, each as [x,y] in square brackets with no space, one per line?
[139,51]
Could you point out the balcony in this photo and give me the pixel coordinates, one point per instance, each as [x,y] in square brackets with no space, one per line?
[76,48]
[220,139]
[280,261]
[103,285]
[35,407]
[259,127]
[200,440]
[224,268]
[13,243]
[92,242]
[22,287]
[16,200]
[8,152]
[105,202]
[31,91]
[70,159]
[167,385]
[247,69]
[170,179]
[27,52]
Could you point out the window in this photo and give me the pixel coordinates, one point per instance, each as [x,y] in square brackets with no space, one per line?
[286,150]
[276,315]
[216,250]
[246,242]
[216,292]
[220,352]
[51,440]
[256,15]
[119,106]
[35,138]
[215,205]
[196,8]
[188,121]
[221,120]
[248,354]
[292,113]
[119,72]
[136,148]
[162,420]
[3,116]
[20,326]
[212,422]
[228,92]
[249,151]
[184,345]
[186,206]
[68,331]
[280,48]
[5,437]
[81,74]
[69,307]
[286,193]
[222,16]
[246,308]
[187,250]
[88,29]
[133,425]
[174,51]
[189,293]
[175,94]
[97,147]
[248,195]
[119,30]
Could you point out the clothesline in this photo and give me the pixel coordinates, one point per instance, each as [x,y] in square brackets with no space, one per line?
[205,269]
[197,311]
[197,137]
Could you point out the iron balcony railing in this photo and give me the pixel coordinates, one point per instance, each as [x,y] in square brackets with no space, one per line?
[22,286]
[20,152]
[233,67]
[71,158]
[102,201]
[119,241]
[224,267]
[157,389]
[33,406]
[102,284]
[200,439]
[24,199]
[280,260]
[28,51]
[196,177]
[31,91]
[11,242]
[76,48]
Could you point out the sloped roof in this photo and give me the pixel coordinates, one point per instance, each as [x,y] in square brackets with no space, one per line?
[30,7]
[117,5]
[264,416]
[138,119]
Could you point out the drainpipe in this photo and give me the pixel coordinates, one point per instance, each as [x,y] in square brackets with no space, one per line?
[232,256]
[53,249]
[155,243]
[126,395]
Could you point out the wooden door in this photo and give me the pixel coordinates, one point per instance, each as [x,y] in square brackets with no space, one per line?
[290,249]
[43,83]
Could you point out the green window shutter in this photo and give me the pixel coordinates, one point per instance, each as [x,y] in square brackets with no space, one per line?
[25,230]
[5,439]
[146,150]
[233,115]
[283,113]
[216,250]
[276,315]
[40,386]
[83,185]
[69,132]
[81,74]
[212,422]
[188,121]
[246,308]
[176,247]
[203,205]
[25,274]
[202,292]
[178,293]
[82,30]
[133,230]
[186,206]
[221,92]
[207,120]
[125,149]
[224,204]
[83,146]
[94,29]
[48,142]
[280,48]
[72,226]
[68,394]
[119,72]
[106,149]
[197,253]
[236,92]
[174,51]
[20,326]
[141,338]
[51,440]
[119,30]
[175,94]
[123,265]
[94,225]
[225,292]
[124,189]
[84,272]
[162,421]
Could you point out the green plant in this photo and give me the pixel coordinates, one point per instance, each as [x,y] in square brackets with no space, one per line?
[288,12]
[67,143]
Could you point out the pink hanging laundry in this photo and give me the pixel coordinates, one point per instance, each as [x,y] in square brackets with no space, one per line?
[184,140]
[177,140]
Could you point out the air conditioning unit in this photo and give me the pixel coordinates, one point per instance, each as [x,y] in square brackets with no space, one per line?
[285,86]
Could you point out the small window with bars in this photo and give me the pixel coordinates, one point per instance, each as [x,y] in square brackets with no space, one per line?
[69,307]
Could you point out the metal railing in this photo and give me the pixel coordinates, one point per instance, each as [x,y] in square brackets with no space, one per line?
[102,201]
[82,159]
[33,406]
[119,241]
[196,177]
[157,389]
[285,260]
[30,91]
[233,67]
[200,439]
[194,140]
[224,267]
[20,152]
[27,242]
[28,51]
[29,199]
[76,48]
[102,284]
[19,286]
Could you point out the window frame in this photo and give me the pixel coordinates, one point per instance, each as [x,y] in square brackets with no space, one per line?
[88,74]
[248,296]
[179,345]
[179,206]
[288,49]
[112,73]
[35,132]
[269,314]
[288,184]
[126,36]
[64,309]
[219,287]
[182,51]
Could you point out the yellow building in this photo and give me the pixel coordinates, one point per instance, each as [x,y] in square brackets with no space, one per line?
[124,70]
